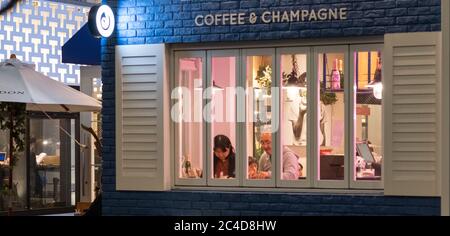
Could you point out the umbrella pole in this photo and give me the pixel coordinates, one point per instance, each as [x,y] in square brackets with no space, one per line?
[11,143]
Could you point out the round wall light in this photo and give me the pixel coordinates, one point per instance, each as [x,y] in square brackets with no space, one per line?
[101,21]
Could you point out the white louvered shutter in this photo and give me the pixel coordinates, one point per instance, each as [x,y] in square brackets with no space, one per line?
[142,156]
[412,77]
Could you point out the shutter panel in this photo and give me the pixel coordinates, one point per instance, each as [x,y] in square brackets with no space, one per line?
[412,115]
[142,164]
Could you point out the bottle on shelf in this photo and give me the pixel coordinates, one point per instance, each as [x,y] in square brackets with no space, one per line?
[341,72]
[335,76]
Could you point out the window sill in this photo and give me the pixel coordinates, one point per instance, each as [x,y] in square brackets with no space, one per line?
[371,192]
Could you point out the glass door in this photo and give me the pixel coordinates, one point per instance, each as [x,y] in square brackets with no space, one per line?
[331,121]
[261,118]
[293,72]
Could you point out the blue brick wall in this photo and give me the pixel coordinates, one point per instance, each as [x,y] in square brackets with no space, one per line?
[208,203]
[172,21]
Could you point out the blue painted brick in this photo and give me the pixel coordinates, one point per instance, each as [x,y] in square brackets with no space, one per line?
[210,37]
[407,20]
[136,25]
[182,31]
[310,34]
[374,31]
[173,8]
[145,17]
[173,24]
[145,33]
[220,29]
[144,3]
[270,35]
[406,3]
[126,18]
[229,5]
[429,19]
[387,21]
[191,39]
[211,6]
[419,28]
[429,2]
[152,40]
[249,36]
[397,12]
[126,33]
[249,4]
[357,31]
[154,24]
[374,13]
[163,32]
[122,12]
[289,35]
[135,10]
[229,37]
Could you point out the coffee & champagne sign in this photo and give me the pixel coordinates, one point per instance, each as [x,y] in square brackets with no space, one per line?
[268,17]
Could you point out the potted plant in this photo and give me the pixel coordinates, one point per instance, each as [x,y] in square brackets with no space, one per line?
[264,78]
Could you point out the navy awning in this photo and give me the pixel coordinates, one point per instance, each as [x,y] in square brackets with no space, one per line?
[82,48]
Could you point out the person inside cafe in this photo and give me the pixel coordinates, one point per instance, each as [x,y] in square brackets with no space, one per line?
[289,164]
[224,158]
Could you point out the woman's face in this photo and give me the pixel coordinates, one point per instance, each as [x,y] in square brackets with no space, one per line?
[221,154]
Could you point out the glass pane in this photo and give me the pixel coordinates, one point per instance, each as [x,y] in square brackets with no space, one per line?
[96,124]
[4,166]
[223,117]
[259,102]
[189,129]
[368,116]
[294,124]
[51,155]
[16,196]
[331,116]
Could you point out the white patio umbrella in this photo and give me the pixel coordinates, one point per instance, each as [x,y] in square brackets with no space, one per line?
[19,82]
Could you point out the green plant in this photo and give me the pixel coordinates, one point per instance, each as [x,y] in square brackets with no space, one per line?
[328,98]
[264,77]
[293,79]
[12,118]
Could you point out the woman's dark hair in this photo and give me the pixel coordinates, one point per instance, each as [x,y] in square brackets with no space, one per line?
[222,142]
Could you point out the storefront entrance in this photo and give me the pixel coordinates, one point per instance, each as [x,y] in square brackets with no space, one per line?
[297,117]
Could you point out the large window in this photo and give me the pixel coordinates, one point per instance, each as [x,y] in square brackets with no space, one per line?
[52,163]
[286,117]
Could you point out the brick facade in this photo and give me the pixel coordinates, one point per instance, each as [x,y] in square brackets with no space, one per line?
[172,21]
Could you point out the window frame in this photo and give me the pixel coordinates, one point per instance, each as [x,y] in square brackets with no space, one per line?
[275,51]
[336,184]
[366,184]
[256,182]
[308,182]
[180,181]
[238,143]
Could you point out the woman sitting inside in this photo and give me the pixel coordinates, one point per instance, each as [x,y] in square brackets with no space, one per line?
[224,158]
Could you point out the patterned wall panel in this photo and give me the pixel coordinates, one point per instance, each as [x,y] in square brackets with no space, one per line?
[36,31]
